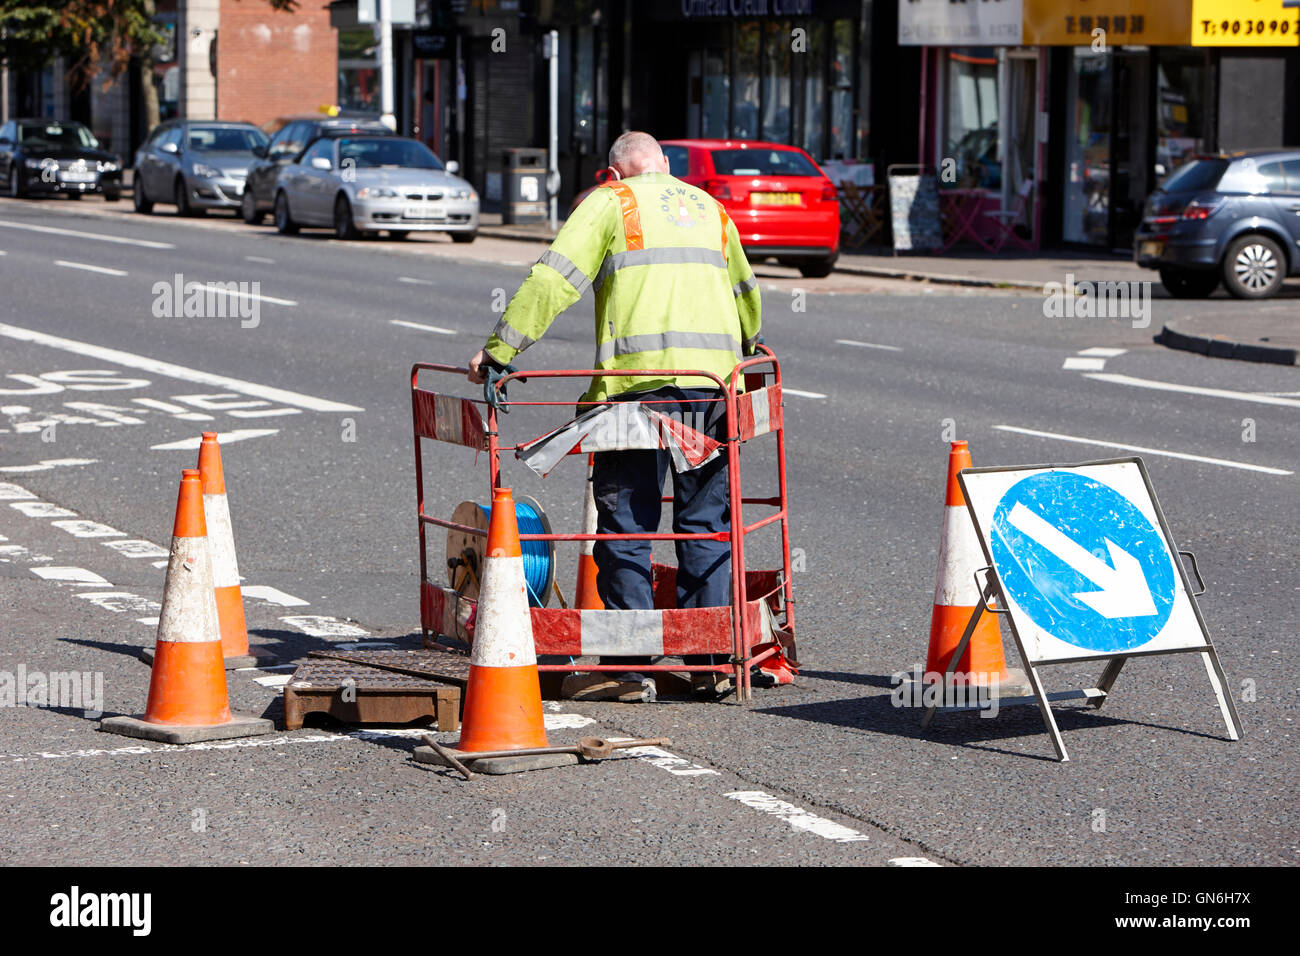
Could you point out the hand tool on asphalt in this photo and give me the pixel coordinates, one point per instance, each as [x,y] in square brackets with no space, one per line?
[590,748]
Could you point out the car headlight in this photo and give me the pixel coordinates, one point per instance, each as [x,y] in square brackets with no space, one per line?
[461,194]
[376,192]
[108,167]
[42,163]
[205,171]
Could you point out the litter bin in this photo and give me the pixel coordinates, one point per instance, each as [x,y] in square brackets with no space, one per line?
[523,186]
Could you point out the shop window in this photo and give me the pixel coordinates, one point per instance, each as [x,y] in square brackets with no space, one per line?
[1180,117]
[359,69]
[841,85]
[971,118]
[744,101]
[814,92]
[776,82]
[716,90]
[584,93]
[1087,185]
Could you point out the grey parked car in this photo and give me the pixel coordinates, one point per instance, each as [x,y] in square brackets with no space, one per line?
[195,164]
[366,184]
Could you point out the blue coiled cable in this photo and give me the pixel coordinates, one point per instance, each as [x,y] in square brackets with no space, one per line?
[536,554]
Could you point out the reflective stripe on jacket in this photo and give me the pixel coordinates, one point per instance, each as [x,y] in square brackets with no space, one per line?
[672,285]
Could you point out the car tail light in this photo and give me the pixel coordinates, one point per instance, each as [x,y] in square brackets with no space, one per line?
[717,188]
[1201,210]
[829,192]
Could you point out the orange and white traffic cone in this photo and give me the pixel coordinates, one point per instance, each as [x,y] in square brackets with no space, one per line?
[956,594]
[586,597]
[187,687]
[503,698]
[225,569]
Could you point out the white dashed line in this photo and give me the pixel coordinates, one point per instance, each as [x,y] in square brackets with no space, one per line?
[321,625]
[87,267]
[71,576]
[1077,363]
[795,391]
[259,259]
[1096,351]
[88,529]
[46,465]
[271,595]
[56,231]
[167,369]
[1256,397]
[136,548]
[413,281]
[422,328]
[1146,451]
[217,288]
[867,345]
[911,861]
[798,817]
[658,757]
[41,509]
[11,492]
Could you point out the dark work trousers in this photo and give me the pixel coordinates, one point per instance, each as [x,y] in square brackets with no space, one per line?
[628,486]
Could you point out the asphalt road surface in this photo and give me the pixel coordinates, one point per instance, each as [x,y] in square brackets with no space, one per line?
[103,394]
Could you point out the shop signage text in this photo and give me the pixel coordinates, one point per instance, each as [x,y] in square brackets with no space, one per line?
[944,23]
[1245,23]
[747,8]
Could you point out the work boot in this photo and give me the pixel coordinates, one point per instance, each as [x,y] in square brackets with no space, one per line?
[624,688]
[710,686]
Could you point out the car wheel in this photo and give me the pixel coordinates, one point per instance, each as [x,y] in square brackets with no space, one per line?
[15,184]
[139,199]
[344,227]
[1188,283]
[464,236]
[1253,267]
[248,209]
[182,198]
[818,270]
[398,234]
[283,220]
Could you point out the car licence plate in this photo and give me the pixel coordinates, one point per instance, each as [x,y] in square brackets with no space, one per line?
[1151,248]
[423,211]
[774,199]
[77,177]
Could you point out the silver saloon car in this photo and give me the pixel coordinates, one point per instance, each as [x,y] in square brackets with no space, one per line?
[366,184]
[195,164]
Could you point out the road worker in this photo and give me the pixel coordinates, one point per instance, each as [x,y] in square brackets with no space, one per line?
[673,290]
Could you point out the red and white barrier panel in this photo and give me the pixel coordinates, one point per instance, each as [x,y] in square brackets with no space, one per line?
[448,418]
[758,412]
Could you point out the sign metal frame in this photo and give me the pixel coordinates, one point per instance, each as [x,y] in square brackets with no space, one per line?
[992,588]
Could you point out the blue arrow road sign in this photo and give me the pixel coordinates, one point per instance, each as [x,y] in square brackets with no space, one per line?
[1082,561]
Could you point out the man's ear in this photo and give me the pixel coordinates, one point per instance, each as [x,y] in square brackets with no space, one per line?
[614,173]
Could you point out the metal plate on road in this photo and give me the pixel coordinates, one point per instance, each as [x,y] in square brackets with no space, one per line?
[1084,560]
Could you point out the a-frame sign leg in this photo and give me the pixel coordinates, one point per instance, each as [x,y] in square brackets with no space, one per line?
[1107,680]
[1219,681]
[975,616]
[1046,708]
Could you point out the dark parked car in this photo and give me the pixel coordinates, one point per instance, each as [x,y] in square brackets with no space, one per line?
[293,135]
[1232,218]
[195,164]
[46,156]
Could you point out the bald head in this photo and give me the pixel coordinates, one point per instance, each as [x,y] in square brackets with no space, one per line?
[635,153]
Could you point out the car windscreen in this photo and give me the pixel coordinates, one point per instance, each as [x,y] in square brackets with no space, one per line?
[762,162]
[393,153]
[1194,176]
[225,139]
[56,134]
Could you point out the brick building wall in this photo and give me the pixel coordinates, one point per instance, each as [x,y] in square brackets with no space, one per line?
[273,64]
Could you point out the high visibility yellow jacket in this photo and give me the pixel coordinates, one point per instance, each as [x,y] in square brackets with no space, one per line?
[673,287]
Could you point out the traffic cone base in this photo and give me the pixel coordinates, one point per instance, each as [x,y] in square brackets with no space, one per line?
[187,686]
[503,698]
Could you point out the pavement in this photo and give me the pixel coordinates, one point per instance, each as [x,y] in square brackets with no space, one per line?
[1261,334]
[102,393]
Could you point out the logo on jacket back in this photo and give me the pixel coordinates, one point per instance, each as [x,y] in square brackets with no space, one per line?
[682,207]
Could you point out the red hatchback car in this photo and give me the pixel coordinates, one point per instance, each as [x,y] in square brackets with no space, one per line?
[783,205]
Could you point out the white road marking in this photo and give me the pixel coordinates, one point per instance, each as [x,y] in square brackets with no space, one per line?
[167,369]
[797,817]
[1080,364]
[271,595]
[11,492]
[41,509]
[87,267]
[148,621]
[46,465]
[1146,451]
[1098,352]
[276,740]
[1257,397]
[56,231]
[795,391]
[88,529]
[422,328]
[179,411]
[867,345]
[321,625]
[657,757]
[217,288]
[259,259]
[119,601]
[911,861]
[225,438]
[70,576]
[413,281]
[136,548]
[273,680]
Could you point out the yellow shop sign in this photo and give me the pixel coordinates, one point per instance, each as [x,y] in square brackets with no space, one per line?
[1246,23]
[1121,22]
